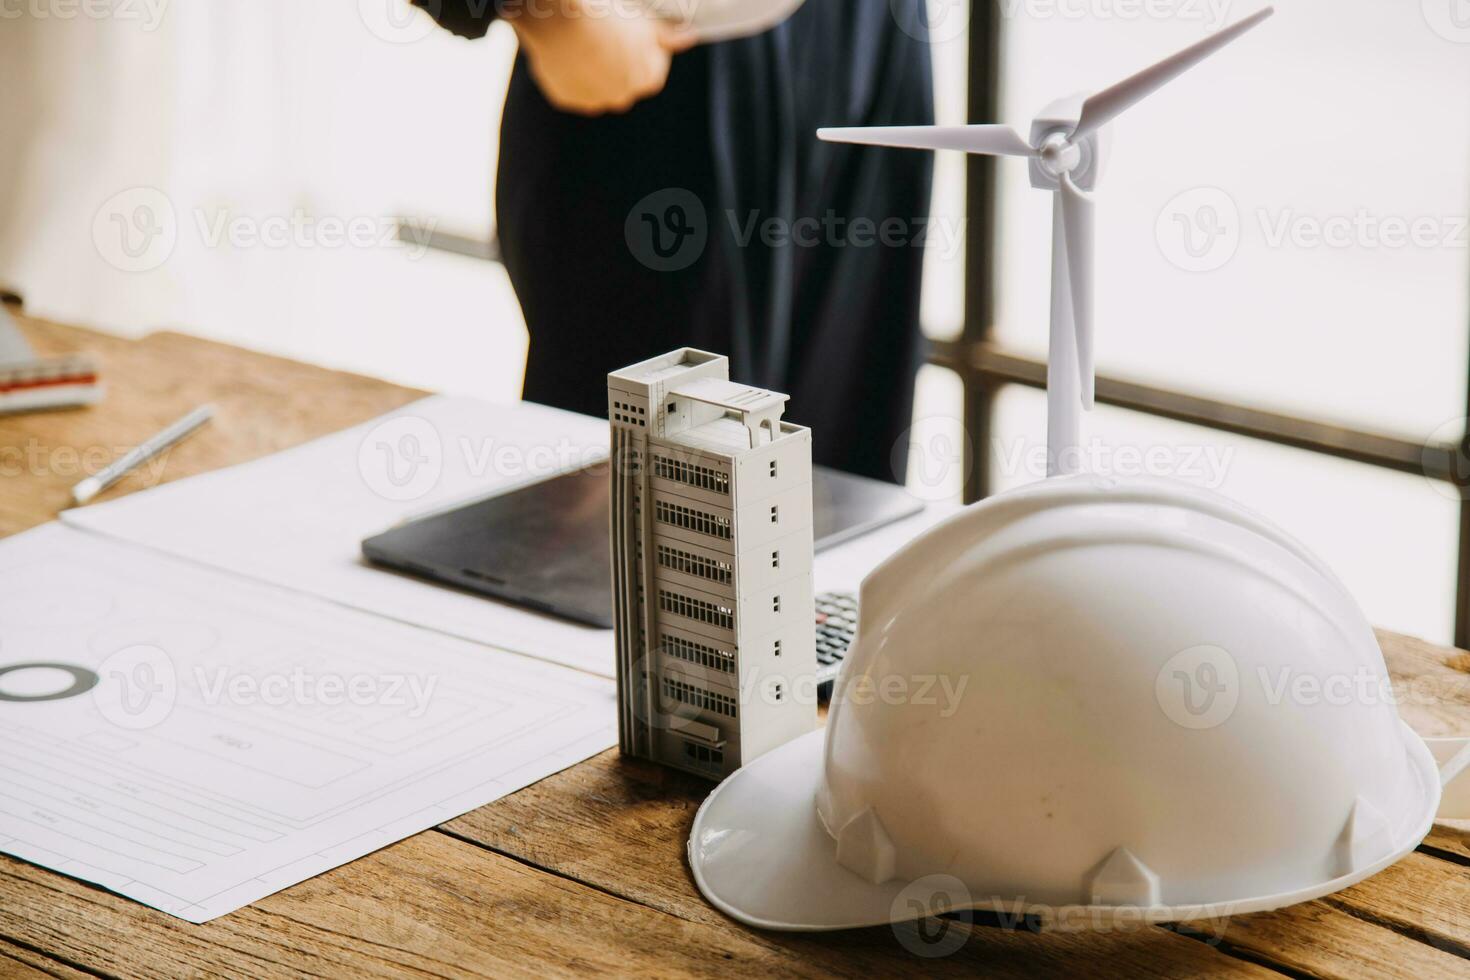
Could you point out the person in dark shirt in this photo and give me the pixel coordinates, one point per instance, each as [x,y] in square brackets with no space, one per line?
[654,194]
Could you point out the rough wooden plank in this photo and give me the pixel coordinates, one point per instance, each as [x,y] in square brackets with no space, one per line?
[621,825]
[264,404]
[1428,895]
[434,906]
[1422,896]
[428,906]
[1451,839]
[20,963]
[1325,941]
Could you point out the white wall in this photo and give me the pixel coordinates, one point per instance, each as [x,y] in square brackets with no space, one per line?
[241,117]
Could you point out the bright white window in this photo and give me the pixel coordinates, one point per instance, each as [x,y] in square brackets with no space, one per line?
[1257,217]
[1282,227]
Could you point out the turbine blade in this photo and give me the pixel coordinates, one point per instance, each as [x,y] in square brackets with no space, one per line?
[989,139]
[1079,232]
[1101,108]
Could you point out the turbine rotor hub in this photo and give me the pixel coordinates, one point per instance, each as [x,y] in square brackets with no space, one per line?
[1059,155]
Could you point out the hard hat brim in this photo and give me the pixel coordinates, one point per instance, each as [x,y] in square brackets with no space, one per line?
[759,854]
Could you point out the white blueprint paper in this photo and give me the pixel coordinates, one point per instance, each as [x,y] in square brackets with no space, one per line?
[240,738]
[297,518]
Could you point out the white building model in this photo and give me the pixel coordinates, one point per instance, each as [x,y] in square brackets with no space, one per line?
[712,565]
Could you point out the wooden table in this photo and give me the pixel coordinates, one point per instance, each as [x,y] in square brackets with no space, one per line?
[585,871]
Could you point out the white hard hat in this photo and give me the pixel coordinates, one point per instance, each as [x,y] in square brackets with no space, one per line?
[1085,696]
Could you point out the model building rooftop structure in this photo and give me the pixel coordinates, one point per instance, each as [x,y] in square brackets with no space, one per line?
[712,564]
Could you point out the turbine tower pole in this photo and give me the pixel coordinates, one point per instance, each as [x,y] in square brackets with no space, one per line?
[1063,380]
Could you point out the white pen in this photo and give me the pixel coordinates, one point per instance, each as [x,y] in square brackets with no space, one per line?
[142,453]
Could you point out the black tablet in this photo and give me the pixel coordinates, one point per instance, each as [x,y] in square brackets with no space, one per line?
[545,545]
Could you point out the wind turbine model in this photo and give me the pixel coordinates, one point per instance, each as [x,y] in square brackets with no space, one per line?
[1065,152]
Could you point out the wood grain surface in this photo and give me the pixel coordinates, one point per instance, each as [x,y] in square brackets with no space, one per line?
[585,871]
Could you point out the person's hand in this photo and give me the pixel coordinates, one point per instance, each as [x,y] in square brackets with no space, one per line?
[599,61]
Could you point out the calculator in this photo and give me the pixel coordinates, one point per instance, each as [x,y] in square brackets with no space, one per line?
[836,626]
